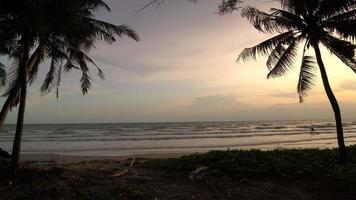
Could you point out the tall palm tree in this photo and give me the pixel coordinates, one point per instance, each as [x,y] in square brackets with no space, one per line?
[331,23]
[63,31]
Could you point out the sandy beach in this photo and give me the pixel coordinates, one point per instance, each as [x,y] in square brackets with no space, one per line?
[62,158]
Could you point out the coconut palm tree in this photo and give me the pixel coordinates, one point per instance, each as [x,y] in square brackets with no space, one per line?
[331,23]
[63,31]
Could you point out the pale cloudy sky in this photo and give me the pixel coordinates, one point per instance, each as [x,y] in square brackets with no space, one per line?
[184,69]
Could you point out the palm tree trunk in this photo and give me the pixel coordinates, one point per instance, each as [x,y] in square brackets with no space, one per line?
[16,149]
[7,105]
[334,104]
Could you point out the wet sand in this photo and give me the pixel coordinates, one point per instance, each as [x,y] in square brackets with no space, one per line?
[62,158]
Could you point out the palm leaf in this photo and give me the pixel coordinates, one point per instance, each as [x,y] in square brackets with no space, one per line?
[159,2]
[107,30]
[285,61]
[344,28]
[344,50]
[34,62]
[13,86]
[265,47]
[128,31]
[228,6]
[297,7]
[96,4]
[262,21]
[287,19]
[342,16]
[330,8]
[306,77]
[275,56]
[69,65]
[48,82]
[59,79]
[85,82]
[3,75]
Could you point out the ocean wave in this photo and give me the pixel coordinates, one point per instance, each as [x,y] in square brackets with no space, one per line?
[245,134]
[236,145]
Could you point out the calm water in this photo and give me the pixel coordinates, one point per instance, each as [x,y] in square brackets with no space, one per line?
[128,139]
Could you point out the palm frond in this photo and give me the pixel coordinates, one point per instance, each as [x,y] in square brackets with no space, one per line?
[34,62]
[100,71]
[262,21]
[287,19]
[96,4]
[151,3]
[85,82]
[108,30]
[330,8]
[297,7]
[285,61]
[346,29]
[275,55]
[228,6]
[158,2]
[306,77]
[59,79]
[12,90]
[48,82]
[344,50]
[128,31]
[265,47]
[3,75]
[80,57]
[69,65]
[342,16]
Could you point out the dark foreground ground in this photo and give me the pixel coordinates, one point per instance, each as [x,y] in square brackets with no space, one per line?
[277,175]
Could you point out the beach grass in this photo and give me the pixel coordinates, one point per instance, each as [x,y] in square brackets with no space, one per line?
[280,162]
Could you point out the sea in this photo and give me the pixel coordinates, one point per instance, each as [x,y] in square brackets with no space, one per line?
[150,138]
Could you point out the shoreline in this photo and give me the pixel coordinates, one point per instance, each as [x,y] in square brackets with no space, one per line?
[65,158]
[77,158]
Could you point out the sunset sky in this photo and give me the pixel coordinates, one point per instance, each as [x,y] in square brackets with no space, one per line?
[184,69]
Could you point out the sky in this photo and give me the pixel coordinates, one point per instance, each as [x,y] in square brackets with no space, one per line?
[184,69]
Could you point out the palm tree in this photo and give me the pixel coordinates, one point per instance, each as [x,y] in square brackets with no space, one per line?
[331,23]
[61,30]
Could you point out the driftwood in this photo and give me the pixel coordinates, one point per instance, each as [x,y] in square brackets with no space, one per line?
[122,173]
[125,171]
[198,174]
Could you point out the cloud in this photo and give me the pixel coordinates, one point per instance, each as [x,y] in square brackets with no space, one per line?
[217,103]
[288,95]
[348,85]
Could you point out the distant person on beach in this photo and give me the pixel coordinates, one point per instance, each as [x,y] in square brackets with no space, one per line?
[312,131]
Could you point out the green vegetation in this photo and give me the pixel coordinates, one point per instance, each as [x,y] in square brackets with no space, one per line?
[255,163]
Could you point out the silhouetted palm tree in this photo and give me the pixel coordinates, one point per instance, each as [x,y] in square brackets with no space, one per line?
[331,23]
[60,30]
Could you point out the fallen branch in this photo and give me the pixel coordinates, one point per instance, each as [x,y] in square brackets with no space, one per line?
[197,174]
[125,171]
